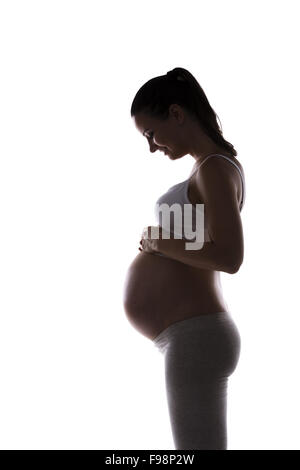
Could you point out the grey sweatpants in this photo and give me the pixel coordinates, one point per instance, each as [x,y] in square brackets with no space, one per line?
[200,353]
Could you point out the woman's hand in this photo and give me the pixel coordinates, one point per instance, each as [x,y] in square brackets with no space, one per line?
[148,244]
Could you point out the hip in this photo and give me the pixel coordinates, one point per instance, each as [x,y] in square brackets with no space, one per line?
[204,342]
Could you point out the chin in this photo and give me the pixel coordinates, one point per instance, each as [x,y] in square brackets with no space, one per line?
[177,155]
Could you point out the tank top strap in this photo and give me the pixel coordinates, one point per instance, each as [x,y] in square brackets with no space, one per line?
[227,158]
[207,156]
[218,155]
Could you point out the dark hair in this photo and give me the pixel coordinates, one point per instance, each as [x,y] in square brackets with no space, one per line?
[179,86]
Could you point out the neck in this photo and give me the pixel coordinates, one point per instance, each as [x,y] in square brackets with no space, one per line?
[201,145]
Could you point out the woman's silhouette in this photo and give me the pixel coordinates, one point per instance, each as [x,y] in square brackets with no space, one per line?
[173,295]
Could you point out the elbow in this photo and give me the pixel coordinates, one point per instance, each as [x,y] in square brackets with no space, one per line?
[233,268]
[233,264]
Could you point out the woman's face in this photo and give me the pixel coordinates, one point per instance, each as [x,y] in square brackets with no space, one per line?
[163,135]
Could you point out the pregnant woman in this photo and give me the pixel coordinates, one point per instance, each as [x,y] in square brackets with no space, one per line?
[173,295]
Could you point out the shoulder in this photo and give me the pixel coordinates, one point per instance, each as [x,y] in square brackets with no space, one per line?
[218,175]
[229,164]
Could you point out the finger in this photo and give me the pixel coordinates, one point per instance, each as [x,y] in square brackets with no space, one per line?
[146,232]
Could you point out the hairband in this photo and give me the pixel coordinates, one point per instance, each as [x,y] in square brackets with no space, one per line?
[173,74]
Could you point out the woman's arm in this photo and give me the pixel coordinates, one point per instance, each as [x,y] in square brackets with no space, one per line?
[208,257]
[224,252]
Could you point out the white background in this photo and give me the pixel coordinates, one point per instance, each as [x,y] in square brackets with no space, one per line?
[78,184]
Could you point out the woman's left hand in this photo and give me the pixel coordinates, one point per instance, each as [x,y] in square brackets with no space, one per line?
[148,244]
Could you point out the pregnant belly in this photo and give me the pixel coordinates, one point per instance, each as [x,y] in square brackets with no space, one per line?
[159,291]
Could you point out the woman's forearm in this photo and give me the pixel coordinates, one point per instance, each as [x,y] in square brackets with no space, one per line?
[208,257]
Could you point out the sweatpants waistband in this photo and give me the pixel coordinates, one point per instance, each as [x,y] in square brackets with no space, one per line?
[198,322]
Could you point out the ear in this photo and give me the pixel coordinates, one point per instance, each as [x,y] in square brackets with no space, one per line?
[177,112]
